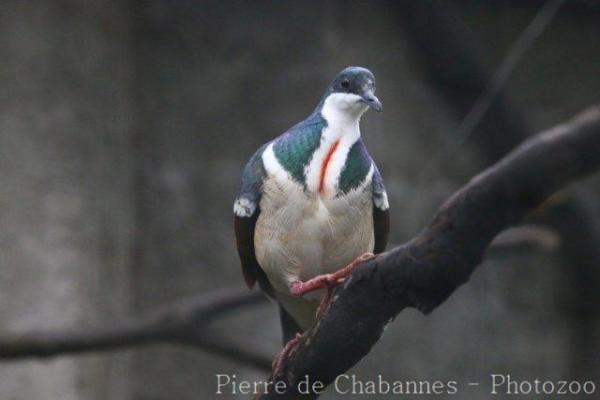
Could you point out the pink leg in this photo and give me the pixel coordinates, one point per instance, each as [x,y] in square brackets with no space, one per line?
[288,349]
[327,281]
[299,288]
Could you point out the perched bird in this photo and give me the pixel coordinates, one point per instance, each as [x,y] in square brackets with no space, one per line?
[311,201]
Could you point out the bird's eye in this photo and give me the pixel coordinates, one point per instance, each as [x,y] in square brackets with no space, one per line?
[346,83]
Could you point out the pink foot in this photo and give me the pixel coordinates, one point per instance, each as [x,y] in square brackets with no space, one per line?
[288,349]
[327,281]
[299,288]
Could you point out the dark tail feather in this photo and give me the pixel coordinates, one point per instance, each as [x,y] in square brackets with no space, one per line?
[289,327]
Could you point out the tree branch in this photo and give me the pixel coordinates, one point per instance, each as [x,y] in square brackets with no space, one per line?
[424,272]
[184,322]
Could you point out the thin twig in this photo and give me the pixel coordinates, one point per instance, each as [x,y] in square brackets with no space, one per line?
[526,237]
[184,322]
[524,42]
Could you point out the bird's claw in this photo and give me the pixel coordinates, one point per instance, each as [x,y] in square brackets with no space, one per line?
[299,288]
[327,281]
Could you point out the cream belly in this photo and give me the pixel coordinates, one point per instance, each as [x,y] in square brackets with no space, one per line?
[300,235]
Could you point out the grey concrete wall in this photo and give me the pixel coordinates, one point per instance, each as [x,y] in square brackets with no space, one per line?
[65,187]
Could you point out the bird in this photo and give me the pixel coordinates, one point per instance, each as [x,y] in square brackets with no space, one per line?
[312,204]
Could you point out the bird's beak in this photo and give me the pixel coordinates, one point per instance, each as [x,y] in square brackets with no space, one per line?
[372,101]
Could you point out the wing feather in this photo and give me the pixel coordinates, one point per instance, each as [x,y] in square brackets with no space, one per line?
[246,209]
[381,213]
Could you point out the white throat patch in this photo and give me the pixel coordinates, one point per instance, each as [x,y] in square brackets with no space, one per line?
[343,106]
[342,111]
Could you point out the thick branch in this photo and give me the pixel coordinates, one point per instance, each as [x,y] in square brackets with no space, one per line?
[425,271]
[182,323]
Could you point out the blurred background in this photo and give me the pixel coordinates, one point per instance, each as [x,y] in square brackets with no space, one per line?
[124,127]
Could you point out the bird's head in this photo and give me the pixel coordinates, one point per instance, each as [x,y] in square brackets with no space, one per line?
[352,92]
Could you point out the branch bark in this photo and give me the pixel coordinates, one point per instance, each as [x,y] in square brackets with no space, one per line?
[183,323]
[425,271]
